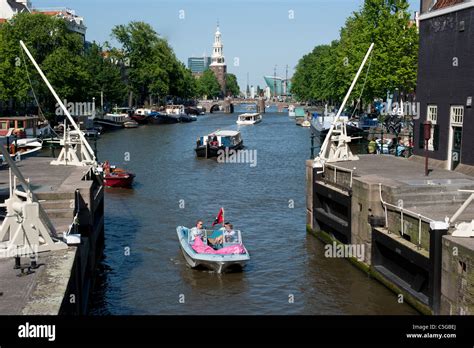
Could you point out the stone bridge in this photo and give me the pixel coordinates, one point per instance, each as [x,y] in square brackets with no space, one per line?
[227,105]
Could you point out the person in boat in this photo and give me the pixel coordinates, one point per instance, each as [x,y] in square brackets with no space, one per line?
[106,168]
[214,142]
[229,234]
[197,231]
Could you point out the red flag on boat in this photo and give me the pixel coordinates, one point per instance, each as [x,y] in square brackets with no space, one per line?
[220,217]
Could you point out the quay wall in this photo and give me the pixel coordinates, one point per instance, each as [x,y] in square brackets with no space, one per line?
[429,277]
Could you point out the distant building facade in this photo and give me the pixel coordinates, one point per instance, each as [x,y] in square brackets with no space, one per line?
[445,87]
[74,22]
[278,86]
[10,8]
[218,65]
[198,65]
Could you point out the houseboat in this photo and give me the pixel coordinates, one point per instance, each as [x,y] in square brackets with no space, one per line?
[209,145]
[116,120]
[249,118]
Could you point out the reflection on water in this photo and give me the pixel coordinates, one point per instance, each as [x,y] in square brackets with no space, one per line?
[266,202]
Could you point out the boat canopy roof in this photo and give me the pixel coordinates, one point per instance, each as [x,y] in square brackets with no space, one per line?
[225,133]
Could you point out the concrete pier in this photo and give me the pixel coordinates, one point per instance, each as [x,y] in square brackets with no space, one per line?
[62,283]
[403,247]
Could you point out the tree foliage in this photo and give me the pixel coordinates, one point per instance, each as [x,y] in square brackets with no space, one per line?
[232,85]
[208,86]
[153,69]
[144,64]
[326,73]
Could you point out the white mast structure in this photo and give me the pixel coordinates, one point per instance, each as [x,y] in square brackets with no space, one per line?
[335,147]
[76,150]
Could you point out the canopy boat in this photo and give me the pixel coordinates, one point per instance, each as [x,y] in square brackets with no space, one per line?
[232,256]
[209,145]
[249,118]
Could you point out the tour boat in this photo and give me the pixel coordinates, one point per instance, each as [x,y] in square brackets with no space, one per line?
[232,256]
[209,145]
[249,118]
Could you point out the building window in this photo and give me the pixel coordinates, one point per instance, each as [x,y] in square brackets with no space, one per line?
[457,116]
[432,115]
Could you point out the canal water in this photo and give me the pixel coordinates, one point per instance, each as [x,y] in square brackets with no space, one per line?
[144,272]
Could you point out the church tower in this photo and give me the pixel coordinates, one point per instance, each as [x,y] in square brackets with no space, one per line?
[218,65]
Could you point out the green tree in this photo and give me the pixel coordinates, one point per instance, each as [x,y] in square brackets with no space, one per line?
[232,85]
[105,75]
[208,86]
[153,68]
[326,73]
[48,40]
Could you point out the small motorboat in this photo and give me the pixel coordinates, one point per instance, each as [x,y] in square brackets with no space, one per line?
[24,148]
[119,179]
[232,256]
[210,145]
[130,123]
[116,177]
[141,115]
[249,118]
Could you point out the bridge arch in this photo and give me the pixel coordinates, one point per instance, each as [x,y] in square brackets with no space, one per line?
[214,108]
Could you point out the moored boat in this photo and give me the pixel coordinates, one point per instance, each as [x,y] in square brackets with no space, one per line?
[130,123]
[162,118]
[291,111]
[232,256]
[187,118]
[249,118]
[209,145]
[141,115]
[24,148]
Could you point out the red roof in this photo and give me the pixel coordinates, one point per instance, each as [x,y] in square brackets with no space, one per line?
[49,13]
[446,3]
[2,20]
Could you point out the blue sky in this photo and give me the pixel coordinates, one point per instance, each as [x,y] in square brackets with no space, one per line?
[257,34]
